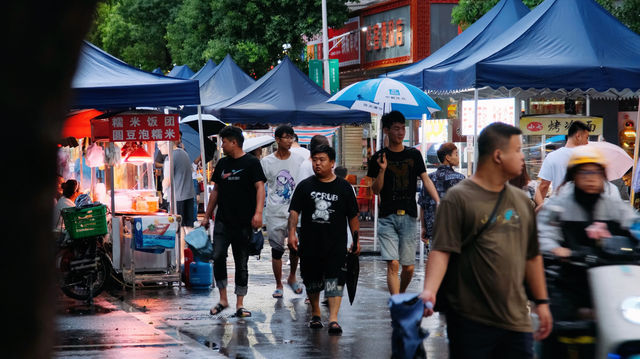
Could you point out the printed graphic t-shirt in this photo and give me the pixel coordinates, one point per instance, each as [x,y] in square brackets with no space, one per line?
[400,180]
[486,274]
[282,176]
[325,209]
[236,178]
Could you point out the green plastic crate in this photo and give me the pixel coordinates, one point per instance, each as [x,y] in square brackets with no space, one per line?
[85,222]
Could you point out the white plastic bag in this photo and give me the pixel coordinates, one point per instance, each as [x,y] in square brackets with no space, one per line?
[94,156]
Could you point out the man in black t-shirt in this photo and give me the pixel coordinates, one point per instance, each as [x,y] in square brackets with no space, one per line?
[326,202]
[395,171]
[239,195]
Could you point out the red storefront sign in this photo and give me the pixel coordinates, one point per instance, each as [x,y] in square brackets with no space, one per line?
[347,50]
[141,127]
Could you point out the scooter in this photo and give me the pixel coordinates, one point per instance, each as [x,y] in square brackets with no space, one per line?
[81,259]
[595,301]
[83,267]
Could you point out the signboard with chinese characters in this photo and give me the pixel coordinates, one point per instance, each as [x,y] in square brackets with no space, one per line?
[315,71]
[435,131]
[346,49]
[144,127]
[489,111]
[558,125]
[388,36]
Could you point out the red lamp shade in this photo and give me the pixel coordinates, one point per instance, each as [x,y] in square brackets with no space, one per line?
[139,156]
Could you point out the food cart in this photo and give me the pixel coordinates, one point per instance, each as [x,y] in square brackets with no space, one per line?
[146,241]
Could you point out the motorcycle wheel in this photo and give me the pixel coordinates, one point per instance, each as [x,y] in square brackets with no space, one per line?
[75,284]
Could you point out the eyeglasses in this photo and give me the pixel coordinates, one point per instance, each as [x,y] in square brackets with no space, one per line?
[590,173]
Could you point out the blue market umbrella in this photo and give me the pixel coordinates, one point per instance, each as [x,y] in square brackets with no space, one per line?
[384,95]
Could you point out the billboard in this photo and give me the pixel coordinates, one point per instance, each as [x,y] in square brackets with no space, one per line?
[489,111]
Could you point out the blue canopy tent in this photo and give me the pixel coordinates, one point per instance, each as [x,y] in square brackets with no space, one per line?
[559,45]
[502,16]
[104,82]
[158,71]
[284,95]
[181,72]
[205,72]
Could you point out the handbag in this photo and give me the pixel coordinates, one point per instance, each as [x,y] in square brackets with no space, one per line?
[256,242]
[442,304]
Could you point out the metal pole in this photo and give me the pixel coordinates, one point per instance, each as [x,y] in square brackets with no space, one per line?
[423,149]
[203,158]
[325,48]
[588,105]
[475,130]
[172,208]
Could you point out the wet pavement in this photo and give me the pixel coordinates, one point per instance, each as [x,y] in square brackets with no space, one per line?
[174,321]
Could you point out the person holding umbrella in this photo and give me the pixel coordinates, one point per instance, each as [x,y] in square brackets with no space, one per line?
[326,203]
[395,170]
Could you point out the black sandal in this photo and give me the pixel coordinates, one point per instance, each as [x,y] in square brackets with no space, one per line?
[335,328]
[217,309]
[242,313]
[315,322]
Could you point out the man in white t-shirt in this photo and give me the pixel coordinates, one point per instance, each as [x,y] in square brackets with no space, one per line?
[554,167]
[281,170]
[299,150]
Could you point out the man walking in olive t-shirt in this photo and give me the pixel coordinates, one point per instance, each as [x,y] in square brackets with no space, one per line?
[487,313]
[395,171]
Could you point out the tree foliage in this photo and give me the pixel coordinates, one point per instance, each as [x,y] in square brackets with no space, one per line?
[468,11]
[152,33]
[134,31]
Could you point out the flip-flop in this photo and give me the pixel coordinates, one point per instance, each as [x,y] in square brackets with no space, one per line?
[277,293]
[296,287]
[315,322]
[335,328]
[217,309]
[242,313]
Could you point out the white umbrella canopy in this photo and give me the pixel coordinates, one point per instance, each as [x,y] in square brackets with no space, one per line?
[252,143]
[618,160]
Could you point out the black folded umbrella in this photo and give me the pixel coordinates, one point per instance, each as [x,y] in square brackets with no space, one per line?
[352,263]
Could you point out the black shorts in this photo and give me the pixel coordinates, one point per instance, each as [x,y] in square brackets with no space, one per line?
[316,270]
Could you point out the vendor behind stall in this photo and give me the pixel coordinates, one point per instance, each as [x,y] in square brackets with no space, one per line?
[70,190]
[183,189]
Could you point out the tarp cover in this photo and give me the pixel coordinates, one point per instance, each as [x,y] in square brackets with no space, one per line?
[561,44]
[103,81]
[205,72]
[181,72]
[226,81]
[502,16]
[285,95]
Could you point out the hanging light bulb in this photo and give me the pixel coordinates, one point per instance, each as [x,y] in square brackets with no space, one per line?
[139,156]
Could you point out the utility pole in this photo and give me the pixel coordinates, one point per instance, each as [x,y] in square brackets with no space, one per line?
[325,48]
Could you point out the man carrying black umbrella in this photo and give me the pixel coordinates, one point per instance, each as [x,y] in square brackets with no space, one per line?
[326,202]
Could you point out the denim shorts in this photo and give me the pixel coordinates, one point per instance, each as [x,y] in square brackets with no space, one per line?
[398,236]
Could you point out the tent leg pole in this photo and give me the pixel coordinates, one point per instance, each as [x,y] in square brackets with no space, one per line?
[588,105]
[203,158]
[475,130]
[375,197]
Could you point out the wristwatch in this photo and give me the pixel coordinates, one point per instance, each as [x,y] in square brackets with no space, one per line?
[540,301]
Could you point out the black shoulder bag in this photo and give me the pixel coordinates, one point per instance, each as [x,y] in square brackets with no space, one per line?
[442,304]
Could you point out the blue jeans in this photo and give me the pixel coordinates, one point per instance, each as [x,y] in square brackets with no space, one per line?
[398,237]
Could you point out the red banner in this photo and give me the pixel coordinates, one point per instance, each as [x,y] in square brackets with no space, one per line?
[347,50]
[144,127]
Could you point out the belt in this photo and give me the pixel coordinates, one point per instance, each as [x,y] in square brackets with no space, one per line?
[401,212]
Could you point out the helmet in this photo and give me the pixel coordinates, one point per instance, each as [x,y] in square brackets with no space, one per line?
[586,154]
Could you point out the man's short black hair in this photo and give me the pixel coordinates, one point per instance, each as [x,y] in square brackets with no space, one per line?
[341,171]
[317,140]
[576,127]
[232,133]
[325,149]
[284,130]
[388,119]
[295,137]
[495,136]
[446,149]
